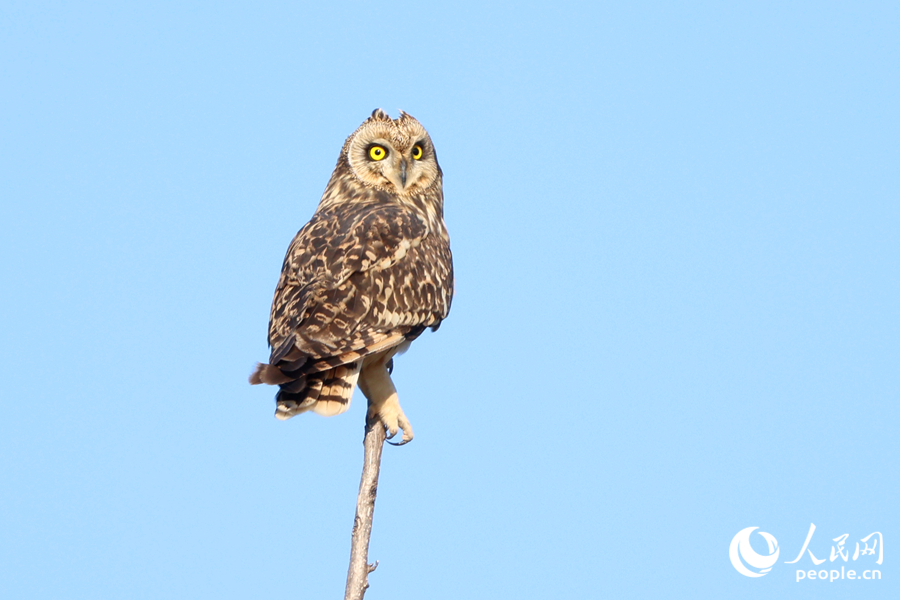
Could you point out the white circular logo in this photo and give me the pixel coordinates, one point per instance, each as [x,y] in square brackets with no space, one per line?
[743,555]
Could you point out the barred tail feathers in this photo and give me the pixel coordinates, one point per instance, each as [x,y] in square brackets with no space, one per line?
[327,393]
[298,396]
[337,390]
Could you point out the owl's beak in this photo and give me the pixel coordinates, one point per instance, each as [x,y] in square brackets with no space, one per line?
[403,172]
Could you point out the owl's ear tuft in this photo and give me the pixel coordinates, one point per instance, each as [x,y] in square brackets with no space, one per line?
[380,115]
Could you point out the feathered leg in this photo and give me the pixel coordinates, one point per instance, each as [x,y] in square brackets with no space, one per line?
[384,406]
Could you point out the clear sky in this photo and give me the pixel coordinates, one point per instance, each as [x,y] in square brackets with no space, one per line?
[677,312]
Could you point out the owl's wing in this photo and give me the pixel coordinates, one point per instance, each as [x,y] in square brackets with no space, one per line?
[346,288]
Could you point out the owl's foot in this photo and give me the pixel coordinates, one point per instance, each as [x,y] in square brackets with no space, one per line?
[384,407]
[391,417]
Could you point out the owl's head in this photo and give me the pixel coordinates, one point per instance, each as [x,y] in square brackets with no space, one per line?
[393,155]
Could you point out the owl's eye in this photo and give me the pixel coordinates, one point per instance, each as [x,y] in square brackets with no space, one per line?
[377,152]
[417,151]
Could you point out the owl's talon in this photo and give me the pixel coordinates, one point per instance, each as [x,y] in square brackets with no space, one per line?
[402,442]
[391,417]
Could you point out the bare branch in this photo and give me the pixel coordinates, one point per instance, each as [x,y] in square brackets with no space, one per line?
[357,575]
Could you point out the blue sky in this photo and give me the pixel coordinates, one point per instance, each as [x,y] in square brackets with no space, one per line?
[677,311]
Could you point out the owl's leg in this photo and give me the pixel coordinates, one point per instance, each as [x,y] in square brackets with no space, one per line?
[384,406]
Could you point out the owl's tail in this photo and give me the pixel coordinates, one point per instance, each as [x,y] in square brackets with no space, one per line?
[326,393]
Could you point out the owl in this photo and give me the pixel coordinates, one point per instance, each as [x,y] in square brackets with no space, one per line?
[364,278]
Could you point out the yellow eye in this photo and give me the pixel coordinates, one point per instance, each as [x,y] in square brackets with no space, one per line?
[417,152]
[377,152]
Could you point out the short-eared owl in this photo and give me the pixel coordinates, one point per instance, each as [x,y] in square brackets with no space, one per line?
[366,276]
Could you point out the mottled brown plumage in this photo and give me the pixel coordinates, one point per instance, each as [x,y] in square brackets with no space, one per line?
[370,271]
